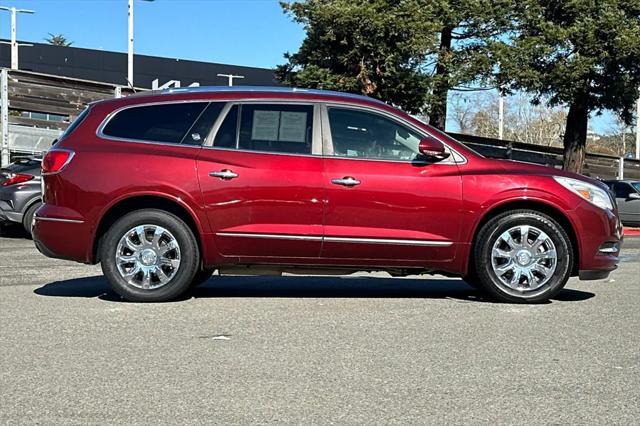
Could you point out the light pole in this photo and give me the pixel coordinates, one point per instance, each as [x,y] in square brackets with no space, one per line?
[14,42]
[638,131]
[230,77]
[501,116]
[130,47]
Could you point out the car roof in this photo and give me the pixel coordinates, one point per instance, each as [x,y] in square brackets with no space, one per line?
[269,89]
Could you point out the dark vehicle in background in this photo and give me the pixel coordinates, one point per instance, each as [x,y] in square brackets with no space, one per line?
[20,192]
[627,193]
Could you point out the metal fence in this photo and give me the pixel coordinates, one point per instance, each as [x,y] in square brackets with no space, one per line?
[26,97]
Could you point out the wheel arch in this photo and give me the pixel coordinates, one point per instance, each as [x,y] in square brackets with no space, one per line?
[530,204]
[145,201]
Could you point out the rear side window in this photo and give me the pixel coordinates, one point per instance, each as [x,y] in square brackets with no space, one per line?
[167,123]
[268,128]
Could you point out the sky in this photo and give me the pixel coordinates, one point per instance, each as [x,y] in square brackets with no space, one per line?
[241,32]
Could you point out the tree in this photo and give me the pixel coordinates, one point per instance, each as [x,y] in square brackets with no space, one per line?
[376,48]
[465,29]
[409,53]
[583,54]
[58,40]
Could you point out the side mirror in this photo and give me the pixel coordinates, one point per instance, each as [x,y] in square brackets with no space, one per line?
[634,196]
[432,149]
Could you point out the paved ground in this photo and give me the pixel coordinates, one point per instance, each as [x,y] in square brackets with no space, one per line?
[313,350]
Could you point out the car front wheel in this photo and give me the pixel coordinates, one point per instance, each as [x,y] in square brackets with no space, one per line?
[523,256]
[149,256]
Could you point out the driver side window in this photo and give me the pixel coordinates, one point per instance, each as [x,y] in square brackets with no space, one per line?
[361,134]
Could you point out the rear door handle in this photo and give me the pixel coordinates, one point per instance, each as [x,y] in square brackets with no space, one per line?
[346,181]
[225,174]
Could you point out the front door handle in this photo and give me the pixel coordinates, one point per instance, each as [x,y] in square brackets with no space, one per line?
[225,174]
[346,181]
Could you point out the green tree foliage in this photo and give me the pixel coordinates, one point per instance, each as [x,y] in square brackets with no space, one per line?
[377,48]
[466,27]
[58,40]
[409,53]
[584,54]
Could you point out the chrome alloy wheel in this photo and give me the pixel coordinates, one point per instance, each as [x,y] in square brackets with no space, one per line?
[524,258]
[148,256]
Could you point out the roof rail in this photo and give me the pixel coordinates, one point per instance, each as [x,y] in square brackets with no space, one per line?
[266,89]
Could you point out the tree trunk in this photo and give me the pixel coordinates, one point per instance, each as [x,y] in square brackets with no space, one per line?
[575,136]
[438,109]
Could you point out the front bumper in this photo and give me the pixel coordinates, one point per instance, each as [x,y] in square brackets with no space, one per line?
[598,274]
[599,235]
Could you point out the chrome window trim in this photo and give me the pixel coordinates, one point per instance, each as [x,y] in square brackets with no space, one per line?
[316,143]
[454,159]
[357,240]
[109,117]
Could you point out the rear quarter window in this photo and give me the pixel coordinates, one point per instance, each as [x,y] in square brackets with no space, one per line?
[169,123]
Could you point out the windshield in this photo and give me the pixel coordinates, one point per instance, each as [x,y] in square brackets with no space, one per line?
[636,185]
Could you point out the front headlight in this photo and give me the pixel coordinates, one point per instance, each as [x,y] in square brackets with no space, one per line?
[589,192]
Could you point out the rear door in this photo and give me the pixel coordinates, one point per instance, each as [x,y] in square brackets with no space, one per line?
[261,180]
[383,203]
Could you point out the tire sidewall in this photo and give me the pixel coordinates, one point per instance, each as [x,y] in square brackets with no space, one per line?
[494,228]
[28,216]
[189,256]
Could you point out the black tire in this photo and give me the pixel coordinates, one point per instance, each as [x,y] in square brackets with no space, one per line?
[202,276]
[27,218]
[489,279]
[189,254]
[473,281]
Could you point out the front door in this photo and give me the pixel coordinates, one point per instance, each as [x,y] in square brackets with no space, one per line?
[383,203]
[262,184]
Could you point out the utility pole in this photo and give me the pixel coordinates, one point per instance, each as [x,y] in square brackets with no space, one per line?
[501,116]
[638,131]
[130,44]
[14,41]
[230,77]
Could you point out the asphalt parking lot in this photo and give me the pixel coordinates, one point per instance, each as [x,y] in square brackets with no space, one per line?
[363,350]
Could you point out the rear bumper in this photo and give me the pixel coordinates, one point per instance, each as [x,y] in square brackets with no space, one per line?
[61,236]
[15,199]
[7,214]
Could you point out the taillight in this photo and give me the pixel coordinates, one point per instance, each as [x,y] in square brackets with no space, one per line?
[55,160]
[17,178]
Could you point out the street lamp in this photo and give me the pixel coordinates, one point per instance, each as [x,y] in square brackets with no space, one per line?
[14,42]
[130,49]
[638,131]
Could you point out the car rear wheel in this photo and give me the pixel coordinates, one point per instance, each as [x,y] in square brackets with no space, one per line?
[149,256]
[28,216]
[523,256]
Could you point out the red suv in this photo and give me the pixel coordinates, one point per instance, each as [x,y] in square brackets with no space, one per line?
[165,188]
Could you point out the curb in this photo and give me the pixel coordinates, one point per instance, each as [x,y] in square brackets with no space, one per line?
[631,232]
